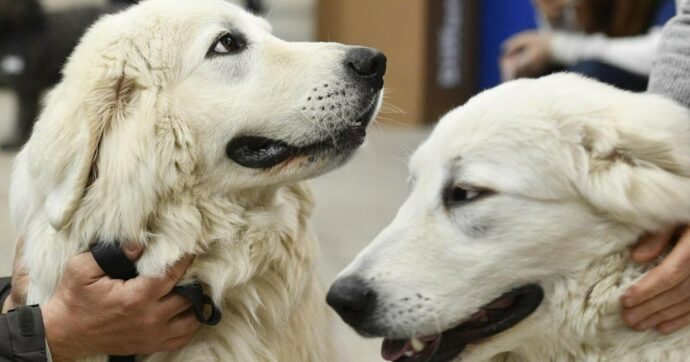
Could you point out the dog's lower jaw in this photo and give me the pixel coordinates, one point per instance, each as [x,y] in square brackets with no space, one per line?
[581,322]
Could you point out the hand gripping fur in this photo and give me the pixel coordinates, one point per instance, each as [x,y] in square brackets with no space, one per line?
[115,264]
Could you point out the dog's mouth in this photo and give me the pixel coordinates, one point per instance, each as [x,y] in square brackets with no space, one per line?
[262,153]
[500,315]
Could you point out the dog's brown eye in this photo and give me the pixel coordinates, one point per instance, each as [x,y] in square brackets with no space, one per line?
[456,195]
[229,44]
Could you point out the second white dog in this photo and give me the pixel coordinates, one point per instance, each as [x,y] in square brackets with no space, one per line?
[514,243]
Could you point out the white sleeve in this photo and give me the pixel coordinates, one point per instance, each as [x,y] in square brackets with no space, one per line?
[634,54]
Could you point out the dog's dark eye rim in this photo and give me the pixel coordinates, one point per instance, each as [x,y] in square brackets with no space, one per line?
[228,43]
[456,195]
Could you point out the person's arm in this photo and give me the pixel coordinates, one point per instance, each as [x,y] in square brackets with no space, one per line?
[5,289]
[531,53]
[670,76]
[634,54]
[661,299]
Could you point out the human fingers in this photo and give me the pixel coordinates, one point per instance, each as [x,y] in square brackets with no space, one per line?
[674,325]
[174,344]
[182,324]
[20,278]
[666,315]
[172,305]
[651,245]
[17,263]
[652,307]
[673,270]
[507,68]
[159,287]
[517,43]
[132,250]
[83,267]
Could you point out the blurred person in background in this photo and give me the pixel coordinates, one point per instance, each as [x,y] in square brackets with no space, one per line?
[614,41]
[34,45]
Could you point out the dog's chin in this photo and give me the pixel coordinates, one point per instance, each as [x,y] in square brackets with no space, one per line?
[257,152]
[495,317]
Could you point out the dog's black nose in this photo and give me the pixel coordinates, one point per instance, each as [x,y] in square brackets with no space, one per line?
[353,299]
[367,64]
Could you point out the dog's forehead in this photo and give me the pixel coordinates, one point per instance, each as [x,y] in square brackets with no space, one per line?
[172,36]
[477,129]
[512,115]
[515,129]
[193,13]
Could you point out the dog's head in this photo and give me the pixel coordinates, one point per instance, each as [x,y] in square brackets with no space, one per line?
[513,194]
[176,94]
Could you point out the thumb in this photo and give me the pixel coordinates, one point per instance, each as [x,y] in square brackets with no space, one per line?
[516,44]
[132,250]
[651,245]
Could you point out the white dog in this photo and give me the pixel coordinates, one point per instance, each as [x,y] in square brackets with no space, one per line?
[514,243]
[186,126]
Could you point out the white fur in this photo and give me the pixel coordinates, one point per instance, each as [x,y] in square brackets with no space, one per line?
[131,147]
[580,171]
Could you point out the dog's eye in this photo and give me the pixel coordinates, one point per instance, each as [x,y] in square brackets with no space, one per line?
[456,195]
[228,44]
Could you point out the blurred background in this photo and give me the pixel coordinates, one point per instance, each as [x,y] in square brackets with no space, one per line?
[440,53]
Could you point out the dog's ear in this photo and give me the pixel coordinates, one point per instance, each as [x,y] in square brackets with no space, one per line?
[637,162]
[66,139]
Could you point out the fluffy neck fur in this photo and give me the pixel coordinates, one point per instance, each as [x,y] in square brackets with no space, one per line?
[261,261]
[255,256]
[591,328]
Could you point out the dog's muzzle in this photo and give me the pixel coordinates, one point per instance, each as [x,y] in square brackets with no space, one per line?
[263,153]
[364,69]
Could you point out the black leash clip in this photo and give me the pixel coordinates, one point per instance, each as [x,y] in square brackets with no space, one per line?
[200,302]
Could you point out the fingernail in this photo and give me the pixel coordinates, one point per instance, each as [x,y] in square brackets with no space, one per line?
[132,247]
[628,301]
[641,327]
[645,248]
[630,318]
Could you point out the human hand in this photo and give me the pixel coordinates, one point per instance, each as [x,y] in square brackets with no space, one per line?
[661,299]
[552,9]
[20,280]
[90,313]
[526,54]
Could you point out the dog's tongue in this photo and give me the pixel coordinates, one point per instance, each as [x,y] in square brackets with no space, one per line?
[393,349]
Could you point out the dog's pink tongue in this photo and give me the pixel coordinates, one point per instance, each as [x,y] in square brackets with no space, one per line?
[393,349]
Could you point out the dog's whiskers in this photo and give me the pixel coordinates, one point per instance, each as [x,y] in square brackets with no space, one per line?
[439,331]
[316,123]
